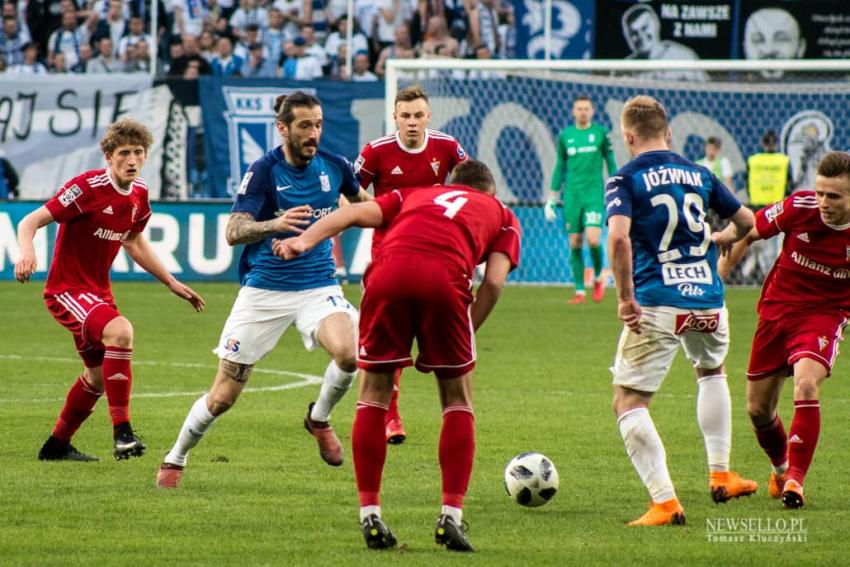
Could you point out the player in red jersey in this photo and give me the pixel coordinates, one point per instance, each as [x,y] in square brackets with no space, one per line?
[804,306]
[412,157]
[98,212]
[448,229]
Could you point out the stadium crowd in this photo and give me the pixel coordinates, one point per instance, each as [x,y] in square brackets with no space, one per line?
[291,39]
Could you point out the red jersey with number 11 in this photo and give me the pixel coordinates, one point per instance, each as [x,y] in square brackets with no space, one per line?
[455,223]
[95,216]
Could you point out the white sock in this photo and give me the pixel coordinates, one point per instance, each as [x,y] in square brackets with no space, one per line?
[366,511]
[455,513]
[645,449]
[781,468]
[197,422]
[334,386]
[714,415]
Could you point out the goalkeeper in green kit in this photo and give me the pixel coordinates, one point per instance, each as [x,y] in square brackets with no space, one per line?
[581,151]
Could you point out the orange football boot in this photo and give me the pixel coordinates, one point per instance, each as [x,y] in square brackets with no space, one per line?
[775,484]
[792,494]
[665,513]
[727,485]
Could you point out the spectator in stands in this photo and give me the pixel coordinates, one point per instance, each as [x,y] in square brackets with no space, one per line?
[315,14]
[113,25]
[2,63]
[360,68]
[206,45]
[12,42]
[141,61]
[175,51]
[105,61]
[258,65]
[312,46]
[400,49]
[10,10]
[484,26]
[243,46]
[391,15]
[291,12]
[275,37]
[58,64]
[67,40]
[85,56]
[437,35]
[366,16]
[136,34]
[226,64]
[338,37]
[299,65]
[719,165]
[31,64]
[189,16]
[248,13]
[192,70]
[190,53]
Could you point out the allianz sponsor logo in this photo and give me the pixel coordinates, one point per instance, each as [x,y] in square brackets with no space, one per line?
[806,262]
[107,234]
[670,176]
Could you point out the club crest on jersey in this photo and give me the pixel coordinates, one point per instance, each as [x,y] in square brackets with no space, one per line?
[231,345]
[774,211]
[591,138]
[70,195]
[435,165]
[461,153]
[325,181]
[822,342]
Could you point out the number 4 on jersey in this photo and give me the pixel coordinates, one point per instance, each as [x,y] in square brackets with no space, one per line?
[451,201]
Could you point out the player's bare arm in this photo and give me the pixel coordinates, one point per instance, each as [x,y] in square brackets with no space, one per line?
[361,197]
[620,256]
[26,265]
[243,229]
[498,267]
[727,261]
[142,253]
[742,222]
[360,214]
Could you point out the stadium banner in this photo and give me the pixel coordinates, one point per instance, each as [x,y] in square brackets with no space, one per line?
[239,124]
[189,239]
[50,128]
[658,29]
[572,29]
[795,29]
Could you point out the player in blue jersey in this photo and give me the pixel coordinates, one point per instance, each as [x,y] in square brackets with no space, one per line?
[290,187]
[664,259]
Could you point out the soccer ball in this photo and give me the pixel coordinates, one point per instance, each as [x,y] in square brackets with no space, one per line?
[531,479]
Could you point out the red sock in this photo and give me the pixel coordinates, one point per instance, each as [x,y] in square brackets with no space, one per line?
[79,405]
[774,441]
[392,410]
[117,380]
[457,450]
[369,448]
[803,438]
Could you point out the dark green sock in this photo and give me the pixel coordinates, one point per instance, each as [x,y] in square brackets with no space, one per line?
[577,266]
[596,258]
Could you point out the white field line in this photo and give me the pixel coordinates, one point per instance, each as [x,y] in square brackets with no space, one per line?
[305,379]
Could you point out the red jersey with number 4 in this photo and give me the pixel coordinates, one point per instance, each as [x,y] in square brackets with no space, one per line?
[813,269]
[95,216]
[387,164]
[458,224]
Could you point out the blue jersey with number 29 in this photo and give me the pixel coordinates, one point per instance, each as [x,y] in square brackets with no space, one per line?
[667,198]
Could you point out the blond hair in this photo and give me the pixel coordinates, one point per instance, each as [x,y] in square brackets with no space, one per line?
[644,116]
[125,132]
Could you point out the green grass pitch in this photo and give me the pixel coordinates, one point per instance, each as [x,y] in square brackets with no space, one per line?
[255,491]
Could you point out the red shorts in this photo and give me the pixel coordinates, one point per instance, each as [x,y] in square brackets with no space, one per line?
[779,343]
[85,314]
[424,300]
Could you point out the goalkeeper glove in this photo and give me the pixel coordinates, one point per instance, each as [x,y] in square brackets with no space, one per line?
[549,211]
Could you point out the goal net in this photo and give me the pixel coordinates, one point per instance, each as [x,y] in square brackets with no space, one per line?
[509,114]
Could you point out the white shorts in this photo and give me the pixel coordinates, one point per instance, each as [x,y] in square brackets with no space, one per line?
[643,360]
[260,317]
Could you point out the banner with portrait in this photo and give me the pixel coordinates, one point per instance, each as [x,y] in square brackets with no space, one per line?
[659,30]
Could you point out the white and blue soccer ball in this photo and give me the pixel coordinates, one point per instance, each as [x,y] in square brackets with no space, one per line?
[531,479]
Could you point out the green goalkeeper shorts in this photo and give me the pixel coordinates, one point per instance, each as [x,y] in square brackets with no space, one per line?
[579,217]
